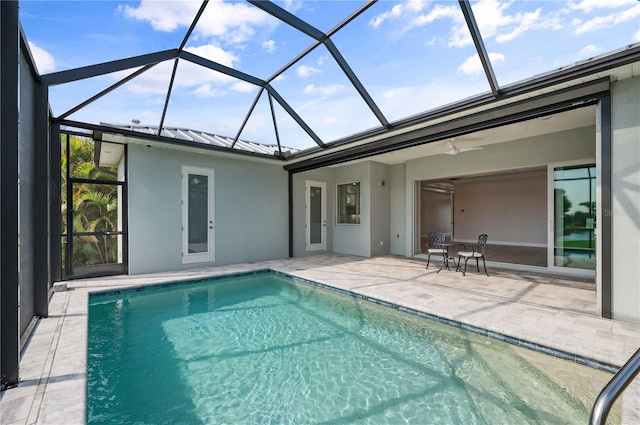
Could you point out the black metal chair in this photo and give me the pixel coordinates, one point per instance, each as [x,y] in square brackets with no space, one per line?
[477,252]
[434,241]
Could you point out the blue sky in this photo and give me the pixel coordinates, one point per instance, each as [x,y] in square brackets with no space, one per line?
[412,56]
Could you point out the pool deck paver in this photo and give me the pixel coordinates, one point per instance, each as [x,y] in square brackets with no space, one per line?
[552,311]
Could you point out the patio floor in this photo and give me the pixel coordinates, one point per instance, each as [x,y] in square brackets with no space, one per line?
[538,309]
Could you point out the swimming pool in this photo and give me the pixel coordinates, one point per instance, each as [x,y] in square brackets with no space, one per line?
[263,348]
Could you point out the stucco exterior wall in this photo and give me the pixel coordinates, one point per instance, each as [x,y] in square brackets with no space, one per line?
[625,193]
[251,209]
[398,205]
[354,239]
[362,239]
[380,208]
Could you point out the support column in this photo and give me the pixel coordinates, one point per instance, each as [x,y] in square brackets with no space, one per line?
[55,200]
[9,335]
[605,227]
[42,269]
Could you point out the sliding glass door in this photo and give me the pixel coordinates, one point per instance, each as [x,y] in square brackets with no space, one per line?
[573,227]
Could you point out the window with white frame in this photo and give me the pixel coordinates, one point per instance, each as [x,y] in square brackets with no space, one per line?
[348,203]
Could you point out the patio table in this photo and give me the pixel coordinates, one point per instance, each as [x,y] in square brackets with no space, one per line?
[446,246]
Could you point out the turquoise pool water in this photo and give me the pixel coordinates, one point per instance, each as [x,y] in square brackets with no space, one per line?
[265,349]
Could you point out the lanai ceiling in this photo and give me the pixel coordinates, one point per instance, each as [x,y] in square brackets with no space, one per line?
[307,74]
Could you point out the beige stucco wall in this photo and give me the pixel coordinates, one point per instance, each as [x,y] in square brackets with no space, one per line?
[510,208]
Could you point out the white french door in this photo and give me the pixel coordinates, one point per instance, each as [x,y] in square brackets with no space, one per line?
[198,225]
[316,215]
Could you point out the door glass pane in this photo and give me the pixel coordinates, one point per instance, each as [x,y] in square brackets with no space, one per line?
[91,250]
[575,213]
[95,207]
[315,215]
[198,213]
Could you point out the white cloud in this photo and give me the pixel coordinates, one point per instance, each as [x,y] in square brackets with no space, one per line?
[608,21]
[189,75]
[494,20]
[417,5]
[305,71]
[233,22]
[459,35]
[214,53]
[269,46]
[589,51]
[323,90]
[439,12]
[395,12]
[636,37]
[243,87]
[589,5]
[410,16]
[207,90]
[44,60]
[527,21]
[473,66]
[154,81]
[163,16]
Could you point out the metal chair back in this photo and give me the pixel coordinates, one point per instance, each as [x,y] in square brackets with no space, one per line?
[436,239]
[481,244]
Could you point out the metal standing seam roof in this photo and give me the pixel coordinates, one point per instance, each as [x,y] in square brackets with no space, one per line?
[201,137]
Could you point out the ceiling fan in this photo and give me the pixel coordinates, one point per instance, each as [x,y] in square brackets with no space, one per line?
[454,150]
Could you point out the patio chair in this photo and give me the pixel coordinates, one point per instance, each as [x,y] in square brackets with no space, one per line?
[434,241]
[477,252]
